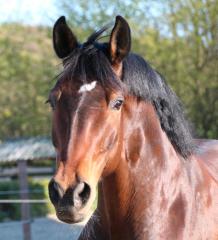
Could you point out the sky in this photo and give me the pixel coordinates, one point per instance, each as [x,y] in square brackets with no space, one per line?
[39,12]
[31,12]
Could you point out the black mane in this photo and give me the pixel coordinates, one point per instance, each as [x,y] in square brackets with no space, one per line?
[149,85]
[90,62]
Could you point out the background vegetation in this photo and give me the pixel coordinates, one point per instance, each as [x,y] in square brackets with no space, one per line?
[178,37]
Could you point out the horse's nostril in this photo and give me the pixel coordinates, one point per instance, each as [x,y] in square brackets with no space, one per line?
[81,194]
[85,193]
[55,191]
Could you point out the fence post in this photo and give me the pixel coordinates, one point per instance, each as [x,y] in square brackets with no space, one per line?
[25,207]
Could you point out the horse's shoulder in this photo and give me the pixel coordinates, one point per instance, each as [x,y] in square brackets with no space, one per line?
[207,153]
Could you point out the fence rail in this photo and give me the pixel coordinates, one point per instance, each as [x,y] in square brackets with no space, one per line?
[24,201]
[14,171]
[13,192]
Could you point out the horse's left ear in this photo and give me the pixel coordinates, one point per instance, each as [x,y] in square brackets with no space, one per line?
[120,41]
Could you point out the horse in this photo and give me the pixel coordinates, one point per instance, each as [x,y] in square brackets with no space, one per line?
[120,134]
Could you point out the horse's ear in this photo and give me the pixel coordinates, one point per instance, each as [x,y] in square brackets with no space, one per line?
[64,40]
[120,41]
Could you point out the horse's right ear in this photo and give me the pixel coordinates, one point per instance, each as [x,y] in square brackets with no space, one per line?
[64,41]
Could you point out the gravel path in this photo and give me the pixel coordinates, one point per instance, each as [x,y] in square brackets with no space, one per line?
[42,229]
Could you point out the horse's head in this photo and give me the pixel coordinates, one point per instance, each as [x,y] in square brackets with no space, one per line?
[87,104]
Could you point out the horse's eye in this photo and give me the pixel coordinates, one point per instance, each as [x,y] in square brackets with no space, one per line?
[116,103]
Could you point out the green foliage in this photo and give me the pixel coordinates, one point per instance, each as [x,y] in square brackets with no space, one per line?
[11,211]
[88,15]
[178,37]
[27,68]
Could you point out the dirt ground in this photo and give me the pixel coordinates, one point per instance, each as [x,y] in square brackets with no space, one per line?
[48,228]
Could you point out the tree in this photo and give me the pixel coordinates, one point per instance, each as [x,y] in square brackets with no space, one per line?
[26,73]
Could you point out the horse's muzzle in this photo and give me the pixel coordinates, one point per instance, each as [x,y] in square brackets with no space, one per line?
[69,204]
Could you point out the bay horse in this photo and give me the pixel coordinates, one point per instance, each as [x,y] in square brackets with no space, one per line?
[119,128]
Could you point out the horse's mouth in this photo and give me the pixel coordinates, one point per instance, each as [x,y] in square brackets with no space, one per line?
[70,215]
[71,219]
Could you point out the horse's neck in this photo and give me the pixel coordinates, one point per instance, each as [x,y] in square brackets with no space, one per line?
[135,193]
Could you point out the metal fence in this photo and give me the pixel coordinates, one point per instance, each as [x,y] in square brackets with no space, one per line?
[25,208]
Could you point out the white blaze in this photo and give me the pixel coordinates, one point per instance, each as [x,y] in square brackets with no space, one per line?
[87,87]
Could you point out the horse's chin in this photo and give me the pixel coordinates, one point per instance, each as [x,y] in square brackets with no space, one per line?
[76,218]
[73,215]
